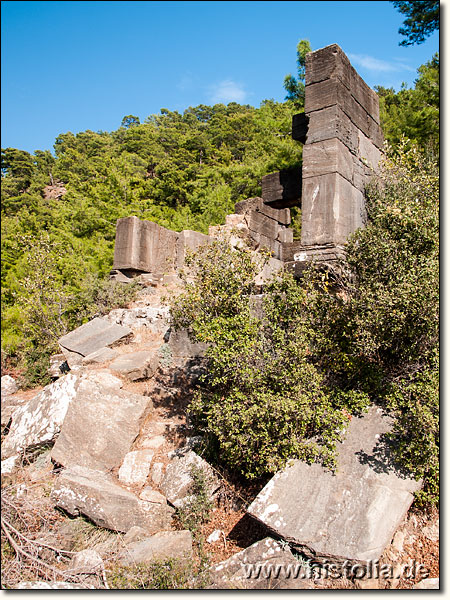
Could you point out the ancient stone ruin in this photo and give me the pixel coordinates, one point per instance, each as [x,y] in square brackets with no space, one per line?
[342,138]
[115,449]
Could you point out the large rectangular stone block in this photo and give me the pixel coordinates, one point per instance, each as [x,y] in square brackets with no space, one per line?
[331,63]
[259,223]
[281,215]
[329,156]
[350,515]
[332,92]
[330,123]
[282,189]
[144,246]
[332,209]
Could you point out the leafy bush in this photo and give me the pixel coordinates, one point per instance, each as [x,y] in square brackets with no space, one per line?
[380,332]
[262,400]
[52,297]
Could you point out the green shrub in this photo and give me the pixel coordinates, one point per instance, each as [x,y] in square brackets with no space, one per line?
[380,332]
[262,400]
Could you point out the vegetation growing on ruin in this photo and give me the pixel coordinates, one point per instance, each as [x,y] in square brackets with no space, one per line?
[283,379]
[324,353]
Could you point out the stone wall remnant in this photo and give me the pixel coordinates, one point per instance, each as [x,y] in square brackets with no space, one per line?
[342,149]
[340,130]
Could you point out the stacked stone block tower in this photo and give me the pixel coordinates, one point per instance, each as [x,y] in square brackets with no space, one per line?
[342,145]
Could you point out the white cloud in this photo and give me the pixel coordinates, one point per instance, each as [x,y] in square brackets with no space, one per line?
[227,91]
[374,64]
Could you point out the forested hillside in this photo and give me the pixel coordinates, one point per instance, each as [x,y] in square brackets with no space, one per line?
[183,171]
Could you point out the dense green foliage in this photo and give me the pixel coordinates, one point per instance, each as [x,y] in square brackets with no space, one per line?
[413,113]
[422,18]
[183,171]
[262,400]
[295,86]
[282,381]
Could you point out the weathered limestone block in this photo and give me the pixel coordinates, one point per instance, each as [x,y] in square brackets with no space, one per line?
[177,481]
[285,235]
[136,467]
[329,156]
[259,223]
[182,346]
[86,561]
[93,336]
[82,491]
[267,564]
[39,421]
[144,246]
[330,123]
[331,63]
[100,427]
[332,209]
[136,365]
[189,241]
[350,515]
[245,207]
[100,356]
[9,385]
[160,546]
[282,189]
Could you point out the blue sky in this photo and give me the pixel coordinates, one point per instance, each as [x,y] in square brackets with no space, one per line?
[72,66]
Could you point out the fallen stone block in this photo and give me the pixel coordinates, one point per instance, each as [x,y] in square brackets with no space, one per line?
[177,482]
[100,426]
[150,495]
[267,564]
[86,561]
[351,515]
[9,405]
[162,545]
[431,583]
[39,421]
[182,346]
[58,366]
[8,385]
[82,491]
[136,365]
[100,356]
[136,467]
[92,336]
